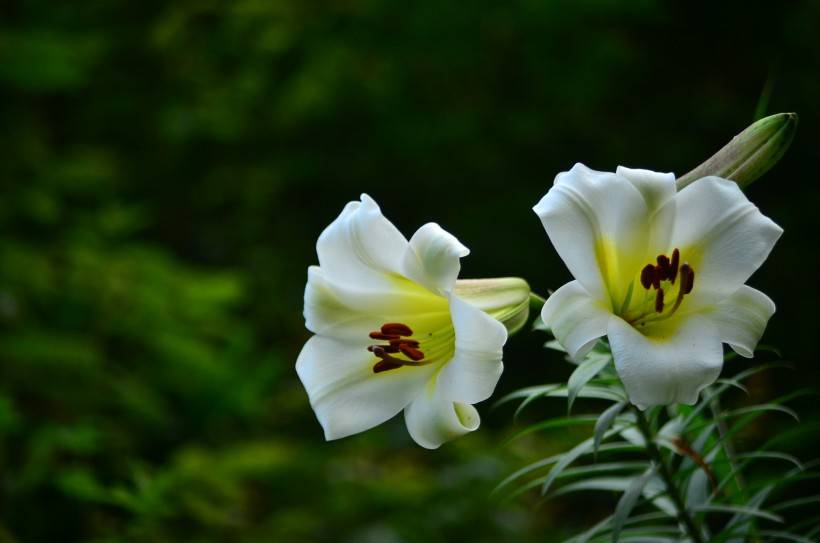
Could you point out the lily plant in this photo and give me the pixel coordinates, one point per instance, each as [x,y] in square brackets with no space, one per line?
[659,268]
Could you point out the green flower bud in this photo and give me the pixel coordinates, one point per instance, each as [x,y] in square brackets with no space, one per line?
[506,299]
[751,153]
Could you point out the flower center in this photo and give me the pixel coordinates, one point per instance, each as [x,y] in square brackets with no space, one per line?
[400,344]
[665,285]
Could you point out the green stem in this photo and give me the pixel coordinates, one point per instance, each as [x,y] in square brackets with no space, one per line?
[536,301]
[663,468]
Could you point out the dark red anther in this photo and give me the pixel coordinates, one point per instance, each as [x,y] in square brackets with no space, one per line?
[663,267]
[380,335]
[659,301]
[687,278]
[673,267]
[384,348]
[385,365]
[403,341]
[396,329]
[411,352]
[648,276]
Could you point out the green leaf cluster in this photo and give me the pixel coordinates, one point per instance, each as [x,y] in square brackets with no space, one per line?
[671,465]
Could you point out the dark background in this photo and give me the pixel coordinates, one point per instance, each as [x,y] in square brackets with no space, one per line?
[165,169]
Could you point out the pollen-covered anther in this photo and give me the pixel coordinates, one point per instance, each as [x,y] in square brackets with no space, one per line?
[404,341]
[382,335]
[396,328]
[687,278]
[411,352]
[648,276]
[673,266]
[385,365]
[664,268]
[392,332]
[383,348]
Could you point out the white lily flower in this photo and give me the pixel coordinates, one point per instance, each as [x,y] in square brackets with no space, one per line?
[660,273]
[391,334]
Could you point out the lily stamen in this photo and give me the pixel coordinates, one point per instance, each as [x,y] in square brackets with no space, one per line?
[393,332]
[673,266]
[661,277]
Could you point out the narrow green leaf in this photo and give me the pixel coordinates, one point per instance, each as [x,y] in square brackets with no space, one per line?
[527,401]
[766,407]
[583,374]
[765,348]
[523,393]
[615,484]
[636,465]
[589,534]
[742,520]
[568,458]
[649,533]
[748,459]
[645,539]
[530,394]
[603,525]
[786,536]
[549,424]
[751,413]
[796,503]
[619,446]
[747,511]
[591,391]
[811,522]
[813,532]
[716,392]
[603,424]
[770,455]
[628,501]
[544,462]
[733,383]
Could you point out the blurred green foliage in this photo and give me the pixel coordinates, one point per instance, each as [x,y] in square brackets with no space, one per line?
[165,169]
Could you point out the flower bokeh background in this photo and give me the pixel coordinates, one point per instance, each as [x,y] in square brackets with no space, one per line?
[167,167]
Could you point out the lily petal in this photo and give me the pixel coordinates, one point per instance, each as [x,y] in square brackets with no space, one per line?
[575,318]
[361,246]
[346,395]
[432,419]
[724,236]
[349,312]
[741,319]
[585,214]
[671,366]
[473,372]
[433,258]
[658,191]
